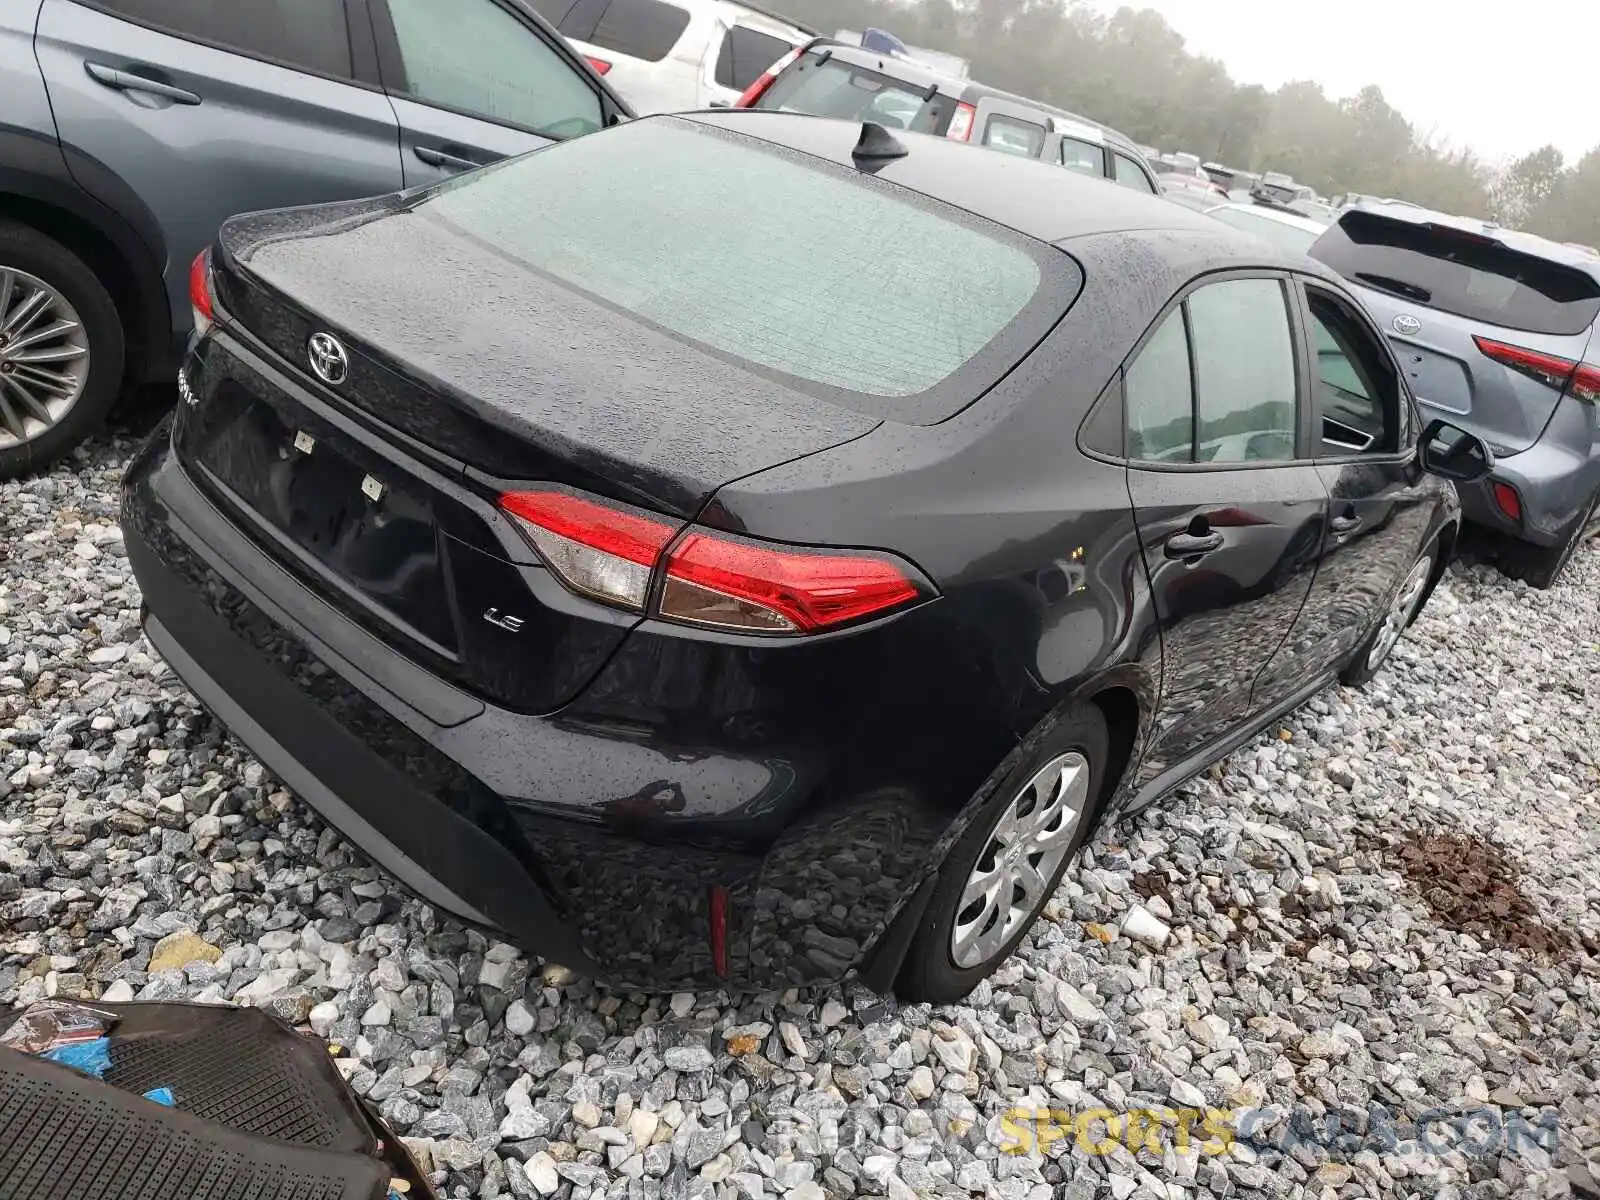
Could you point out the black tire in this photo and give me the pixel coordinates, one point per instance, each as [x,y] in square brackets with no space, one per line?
[1361,669]
[26,249]
[930,972]
[1541,566]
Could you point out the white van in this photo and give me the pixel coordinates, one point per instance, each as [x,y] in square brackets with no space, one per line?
[673,55]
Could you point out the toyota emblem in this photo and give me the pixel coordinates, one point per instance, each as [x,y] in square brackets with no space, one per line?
[328,358]
[1407,326]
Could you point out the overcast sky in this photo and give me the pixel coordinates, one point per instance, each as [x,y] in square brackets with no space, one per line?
[1501,76]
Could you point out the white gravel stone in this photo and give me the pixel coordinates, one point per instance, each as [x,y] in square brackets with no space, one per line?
[1285,960]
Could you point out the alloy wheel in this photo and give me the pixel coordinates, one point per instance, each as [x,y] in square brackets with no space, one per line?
[1406,601]
[44,357]
[1012,875]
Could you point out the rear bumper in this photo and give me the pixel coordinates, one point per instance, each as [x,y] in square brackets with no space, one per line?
[1552,487]
[594,836]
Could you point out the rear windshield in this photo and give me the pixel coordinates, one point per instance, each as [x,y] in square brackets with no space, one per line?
[1461,273]
[862,292]
[825,87]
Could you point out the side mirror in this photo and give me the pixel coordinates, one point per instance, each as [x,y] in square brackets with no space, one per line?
[1451,452]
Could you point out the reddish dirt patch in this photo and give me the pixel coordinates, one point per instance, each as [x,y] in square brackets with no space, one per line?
[1473,888]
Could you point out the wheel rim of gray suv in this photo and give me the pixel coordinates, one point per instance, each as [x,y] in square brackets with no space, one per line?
[1012,875]
[1400,612]
[44,357]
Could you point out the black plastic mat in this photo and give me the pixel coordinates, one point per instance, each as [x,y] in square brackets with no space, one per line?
[239,1067]
[66,1136]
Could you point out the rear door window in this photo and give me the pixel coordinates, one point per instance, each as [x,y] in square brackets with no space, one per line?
[308,34]
[1454,271]
[1129,174]
[833,88]
[1013,135]
[1244,372]
[873,298]
[745,56]
[644,29]
[1083,156]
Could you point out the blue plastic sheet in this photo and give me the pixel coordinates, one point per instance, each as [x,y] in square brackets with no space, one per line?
[91,1058]
[161,1095]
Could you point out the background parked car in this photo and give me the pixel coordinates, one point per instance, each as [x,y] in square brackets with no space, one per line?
[818,643]
[1287,229]
[671,55]
[137,126]
[830,79]
[1495,330]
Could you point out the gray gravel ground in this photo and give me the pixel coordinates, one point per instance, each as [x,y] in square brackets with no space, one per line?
[1287,973]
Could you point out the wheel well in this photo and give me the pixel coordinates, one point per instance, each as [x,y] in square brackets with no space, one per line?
[1120,708]
[105,260]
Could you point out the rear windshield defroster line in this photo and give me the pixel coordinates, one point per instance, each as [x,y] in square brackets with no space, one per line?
[1459,272]
[828,280]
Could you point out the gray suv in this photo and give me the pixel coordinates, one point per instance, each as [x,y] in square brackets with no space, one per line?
[129,129]
[1495,330]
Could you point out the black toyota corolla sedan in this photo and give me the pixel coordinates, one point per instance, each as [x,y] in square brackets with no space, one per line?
[743,549]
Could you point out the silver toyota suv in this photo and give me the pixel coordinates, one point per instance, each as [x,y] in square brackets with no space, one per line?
[129,129]
[1496,331]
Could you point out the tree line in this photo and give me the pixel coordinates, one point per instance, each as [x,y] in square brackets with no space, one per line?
[1131,71]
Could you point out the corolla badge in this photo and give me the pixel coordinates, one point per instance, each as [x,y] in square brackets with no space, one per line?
[1406,325]
[328,358]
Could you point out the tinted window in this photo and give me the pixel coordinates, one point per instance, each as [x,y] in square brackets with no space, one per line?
[1458,272]
[646,29]
[746,55]
[1159,397]
[857,288]
[1014,136]
[554,11]
[1126,172]
[475,56]
[1244,372]
[1356,393]
[1288,237]
[836,89]
[301,33]
[1082,156]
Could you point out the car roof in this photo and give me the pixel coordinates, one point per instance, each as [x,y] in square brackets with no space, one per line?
[1512,239]
[1035,198]
[1281,215]
[770,14]
[923,75]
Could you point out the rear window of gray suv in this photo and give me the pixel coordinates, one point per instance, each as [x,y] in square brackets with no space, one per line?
[897,306]
[1459,272]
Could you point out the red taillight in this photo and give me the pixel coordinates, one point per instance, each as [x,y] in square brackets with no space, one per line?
[759,88]
[961,122]
[1510,503]
[612,553]
[200,291]
[600,65]
[735,584]
[598,550]
[1563,374]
